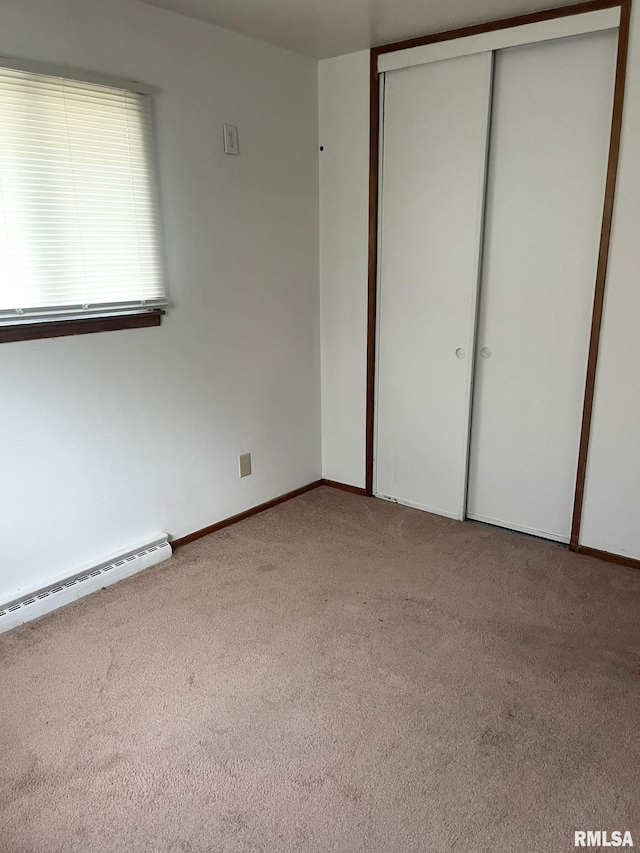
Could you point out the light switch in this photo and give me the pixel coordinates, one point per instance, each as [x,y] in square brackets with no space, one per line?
[230,139]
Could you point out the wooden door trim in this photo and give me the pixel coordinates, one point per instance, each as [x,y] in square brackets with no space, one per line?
[601,272]
[605,235]
[500,24]
[372,296]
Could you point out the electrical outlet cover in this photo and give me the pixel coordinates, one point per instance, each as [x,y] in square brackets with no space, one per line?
[230,139]
[244,464]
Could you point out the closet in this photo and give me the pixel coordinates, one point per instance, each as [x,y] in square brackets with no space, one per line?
[492,177]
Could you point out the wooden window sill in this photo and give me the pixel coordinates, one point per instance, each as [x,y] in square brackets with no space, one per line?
[84,326]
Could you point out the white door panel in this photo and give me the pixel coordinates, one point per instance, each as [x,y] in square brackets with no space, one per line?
[433,175]
[550,130]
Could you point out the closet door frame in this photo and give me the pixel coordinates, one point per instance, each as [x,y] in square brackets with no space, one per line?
[458,42]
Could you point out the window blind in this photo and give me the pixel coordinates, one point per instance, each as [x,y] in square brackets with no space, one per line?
[79,230]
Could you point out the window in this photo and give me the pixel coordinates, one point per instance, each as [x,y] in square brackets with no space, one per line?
[79,232]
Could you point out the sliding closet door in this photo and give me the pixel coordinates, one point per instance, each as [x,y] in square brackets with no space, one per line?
[433,173]
[551,121]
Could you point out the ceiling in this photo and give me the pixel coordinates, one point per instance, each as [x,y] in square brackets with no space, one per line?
[323,28]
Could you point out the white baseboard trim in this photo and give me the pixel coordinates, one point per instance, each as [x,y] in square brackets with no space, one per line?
[36,602]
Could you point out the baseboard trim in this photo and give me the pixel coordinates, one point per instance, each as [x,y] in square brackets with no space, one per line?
[345,487]
[619,559]
[234,519]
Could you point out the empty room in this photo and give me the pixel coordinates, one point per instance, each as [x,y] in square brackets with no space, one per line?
[319,426]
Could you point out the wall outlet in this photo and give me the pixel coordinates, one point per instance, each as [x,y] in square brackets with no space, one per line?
[244,464]
[230,139]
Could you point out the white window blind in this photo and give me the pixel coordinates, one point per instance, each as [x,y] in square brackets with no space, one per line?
[79,231]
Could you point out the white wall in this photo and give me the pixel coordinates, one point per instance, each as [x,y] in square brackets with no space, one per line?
[344,204]
[107,438]
[611,519]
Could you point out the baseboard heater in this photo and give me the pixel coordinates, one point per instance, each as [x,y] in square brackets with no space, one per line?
[36,602]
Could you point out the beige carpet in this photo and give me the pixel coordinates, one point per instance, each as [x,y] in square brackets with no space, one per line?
[337,674]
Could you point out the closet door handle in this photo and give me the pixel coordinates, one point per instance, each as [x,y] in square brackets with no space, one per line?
[460,353]
[485,352]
